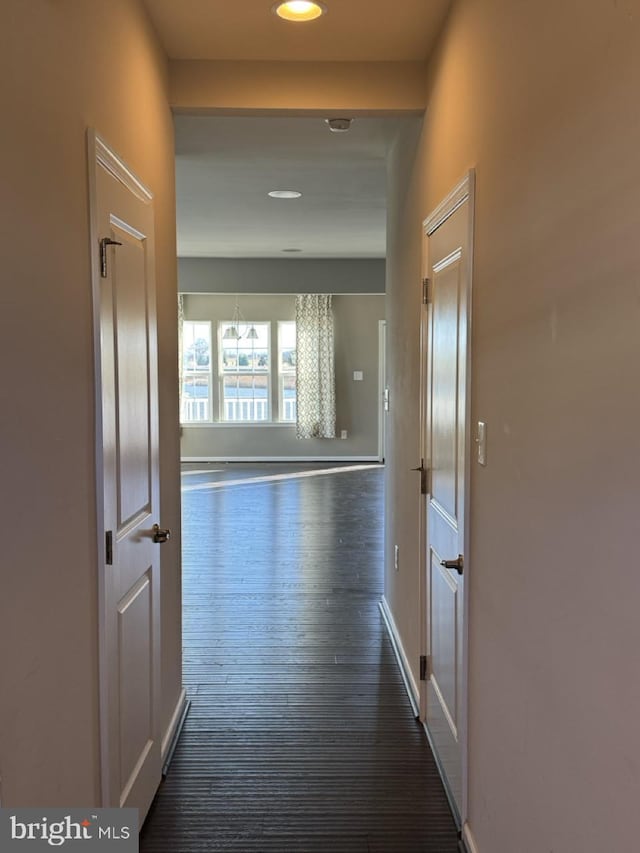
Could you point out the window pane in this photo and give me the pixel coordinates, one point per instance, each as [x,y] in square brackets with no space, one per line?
[287,369]
[244,368]
[245,397]
[196,346]
[245,353]
[287,346]
[288,397]
[196,375]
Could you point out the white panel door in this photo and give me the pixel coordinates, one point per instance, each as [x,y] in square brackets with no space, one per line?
[445,444]
[130,633]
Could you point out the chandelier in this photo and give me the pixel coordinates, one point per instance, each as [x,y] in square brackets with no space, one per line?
[234,331]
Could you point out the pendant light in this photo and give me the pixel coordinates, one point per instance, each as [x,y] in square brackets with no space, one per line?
[233,332]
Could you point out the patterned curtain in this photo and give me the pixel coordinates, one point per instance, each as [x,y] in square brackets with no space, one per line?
[315,374]
[180,354]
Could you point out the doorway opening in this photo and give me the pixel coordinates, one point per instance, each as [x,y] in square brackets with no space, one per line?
[298,705]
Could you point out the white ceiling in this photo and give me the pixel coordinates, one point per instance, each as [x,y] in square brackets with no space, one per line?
[226,166]
[352,30]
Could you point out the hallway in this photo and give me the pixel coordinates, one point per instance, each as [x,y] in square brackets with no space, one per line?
[300,736]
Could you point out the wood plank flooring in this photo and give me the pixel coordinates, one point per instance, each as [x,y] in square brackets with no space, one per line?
[300,737]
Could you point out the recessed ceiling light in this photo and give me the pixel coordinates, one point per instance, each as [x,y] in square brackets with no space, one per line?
[299,10]
[285,194]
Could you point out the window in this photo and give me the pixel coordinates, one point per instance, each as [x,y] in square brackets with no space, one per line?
[287,370]
[196,372]
[245,372]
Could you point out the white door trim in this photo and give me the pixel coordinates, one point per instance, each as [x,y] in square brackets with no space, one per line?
[462,192]
[101,155]
[382,380]
[458,195]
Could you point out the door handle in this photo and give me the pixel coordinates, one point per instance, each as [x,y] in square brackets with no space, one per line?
[161,535]
[457,564]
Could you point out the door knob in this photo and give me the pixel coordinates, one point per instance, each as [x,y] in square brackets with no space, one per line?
[161,535]
[457,564]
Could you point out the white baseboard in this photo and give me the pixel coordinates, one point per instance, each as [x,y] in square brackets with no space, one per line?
[173,729]
[279,459]
[407,676]
[469,840]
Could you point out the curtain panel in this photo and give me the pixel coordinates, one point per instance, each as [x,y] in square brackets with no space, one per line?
[315,372]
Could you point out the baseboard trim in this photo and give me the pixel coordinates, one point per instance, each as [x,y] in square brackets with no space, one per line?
[279,459]
[468,842]
[403,662]
[170,739]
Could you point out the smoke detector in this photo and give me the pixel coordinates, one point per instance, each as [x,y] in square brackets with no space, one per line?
[339,125]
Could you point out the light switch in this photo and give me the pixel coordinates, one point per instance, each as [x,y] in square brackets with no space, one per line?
[481,441]
[358,376]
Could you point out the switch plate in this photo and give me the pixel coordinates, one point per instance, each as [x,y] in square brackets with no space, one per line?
[343,433]
[481,441]
[386,399]
[358,376]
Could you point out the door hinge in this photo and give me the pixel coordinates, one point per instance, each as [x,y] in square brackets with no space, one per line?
[108,548]
[426,291]
[425,667]
[104,243]
[424,479]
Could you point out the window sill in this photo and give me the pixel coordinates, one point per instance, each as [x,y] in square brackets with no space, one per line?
[237,424]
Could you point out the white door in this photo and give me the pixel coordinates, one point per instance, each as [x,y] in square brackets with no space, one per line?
[128,467]
[445,445]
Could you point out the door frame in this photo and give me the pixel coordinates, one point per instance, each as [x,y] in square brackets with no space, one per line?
[464,191]
[382,384]
[100,155]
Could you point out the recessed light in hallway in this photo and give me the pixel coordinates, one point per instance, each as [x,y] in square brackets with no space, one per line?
[300,736]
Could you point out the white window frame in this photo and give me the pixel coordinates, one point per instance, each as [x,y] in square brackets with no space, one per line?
[222,373]
[281,375]
[202,372]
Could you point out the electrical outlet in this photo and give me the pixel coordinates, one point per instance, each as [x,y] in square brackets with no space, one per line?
[396,557]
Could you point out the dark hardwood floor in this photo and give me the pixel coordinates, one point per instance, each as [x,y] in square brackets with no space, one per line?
[300,735]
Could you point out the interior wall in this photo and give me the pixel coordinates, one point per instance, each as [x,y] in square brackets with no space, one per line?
[356,320]
[68,65]
[538,100]
[305,87]
[280,275]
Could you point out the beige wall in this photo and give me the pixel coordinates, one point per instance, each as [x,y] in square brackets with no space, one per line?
[301,87]
[541,100]
[277,275]
[356,320]
[64,66]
